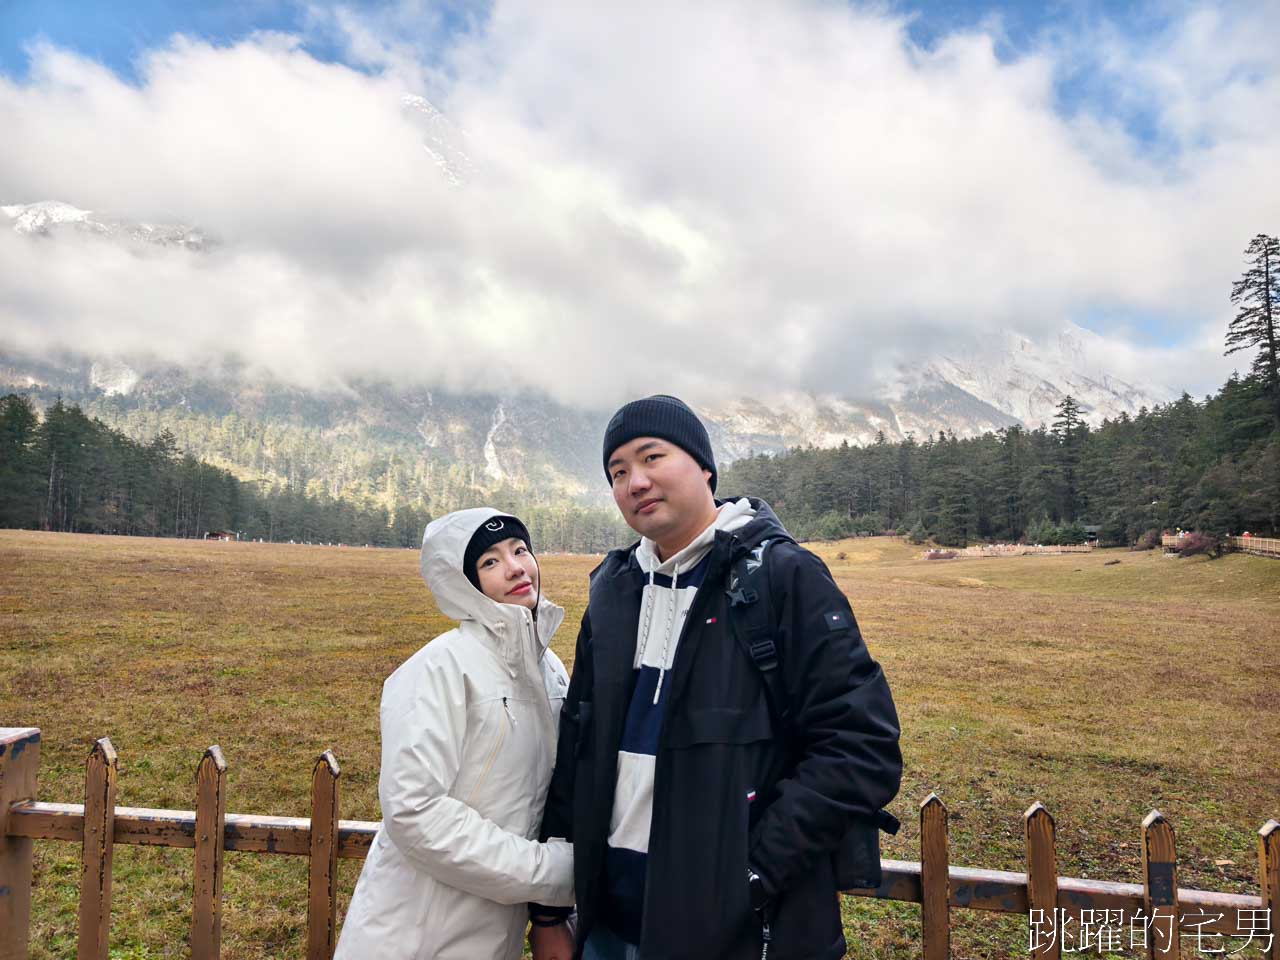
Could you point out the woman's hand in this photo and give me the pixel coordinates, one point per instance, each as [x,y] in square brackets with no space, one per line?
[551,943]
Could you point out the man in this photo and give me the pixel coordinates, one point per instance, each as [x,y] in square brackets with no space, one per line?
[703,827]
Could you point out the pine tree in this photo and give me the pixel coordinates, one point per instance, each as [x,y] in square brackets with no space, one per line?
[1257,293]
[1069,429]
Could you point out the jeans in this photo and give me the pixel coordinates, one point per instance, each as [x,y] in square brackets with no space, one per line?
[604,944]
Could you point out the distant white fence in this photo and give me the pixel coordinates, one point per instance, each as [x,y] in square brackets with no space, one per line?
[1020,549]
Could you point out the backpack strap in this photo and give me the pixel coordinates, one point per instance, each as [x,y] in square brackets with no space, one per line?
[752,626]
[751,623]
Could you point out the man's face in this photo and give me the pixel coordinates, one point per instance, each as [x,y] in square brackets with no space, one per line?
[658,487]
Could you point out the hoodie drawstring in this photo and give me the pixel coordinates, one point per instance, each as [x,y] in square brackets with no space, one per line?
[671,623]
[648,617]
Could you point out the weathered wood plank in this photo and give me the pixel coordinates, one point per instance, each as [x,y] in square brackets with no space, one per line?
[1160,886]
[19,762]
[211,811]
[96,849]
[935,894]
[1269,882]
[1039,833]
[322,880]
[244,833]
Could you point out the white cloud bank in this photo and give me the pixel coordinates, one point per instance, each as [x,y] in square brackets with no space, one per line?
[696,197]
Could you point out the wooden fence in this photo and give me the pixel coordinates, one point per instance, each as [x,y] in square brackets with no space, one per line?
[1157,908]
[1262,546]
[1259,546]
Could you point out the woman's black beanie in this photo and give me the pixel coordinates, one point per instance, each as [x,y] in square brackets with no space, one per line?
[494,530]
[664,417]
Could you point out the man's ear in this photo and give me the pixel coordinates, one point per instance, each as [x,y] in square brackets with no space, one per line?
[706,475]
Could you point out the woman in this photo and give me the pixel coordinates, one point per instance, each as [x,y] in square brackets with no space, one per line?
[469,726]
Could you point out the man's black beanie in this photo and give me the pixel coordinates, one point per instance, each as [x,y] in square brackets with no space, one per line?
[494,530]
[666,418]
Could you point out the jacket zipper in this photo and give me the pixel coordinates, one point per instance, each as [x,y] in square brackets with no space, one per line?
[671,702]
[493,753]
[541,682]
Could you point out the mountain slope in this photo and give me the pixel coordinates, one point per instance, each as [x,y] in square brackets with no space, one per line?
[373,440]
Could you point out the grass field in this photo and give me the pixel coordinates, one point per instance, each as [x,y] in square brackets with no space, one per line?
[1102,691]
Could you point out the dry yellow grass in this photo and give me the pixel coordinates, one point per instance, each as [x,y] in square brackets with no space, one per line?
[1101,691]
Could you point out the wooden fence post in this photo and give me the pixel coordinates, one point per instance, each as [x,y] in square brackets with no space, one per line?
[1042,876]
[99,840]
[19,760]
[322,882]
[211,814]
[935,879]
[1160,886]
[1269,881]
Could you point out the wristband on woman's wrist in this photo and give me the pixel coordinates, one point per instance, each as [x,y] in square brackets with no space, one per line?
[548,921]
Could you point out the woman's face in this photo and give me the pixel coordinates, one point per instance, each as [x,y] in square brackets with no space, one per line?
[508,573]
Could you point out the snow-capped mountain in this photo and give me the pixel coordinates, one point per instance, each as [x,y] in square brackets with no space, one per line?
[441,139]
[50,217]
[1026,379]
[986,385]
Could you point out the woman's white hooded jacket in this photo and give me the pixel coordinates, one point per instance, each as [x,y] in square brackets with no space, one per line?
[469,727]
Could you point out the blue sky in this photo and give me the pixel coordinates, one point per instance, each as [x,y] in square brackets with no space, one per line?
[115,34]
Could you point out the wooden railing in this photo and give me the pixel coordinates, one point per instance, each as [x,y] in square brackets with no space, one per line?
[1263,546]
[1259,546]
[1050,902]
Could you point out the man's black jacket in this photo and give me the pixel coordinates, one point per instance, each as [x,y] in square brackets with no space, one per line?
[729,787]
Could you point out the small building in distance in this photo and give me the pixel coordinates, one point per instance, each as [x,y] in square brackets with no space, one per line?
[221,535]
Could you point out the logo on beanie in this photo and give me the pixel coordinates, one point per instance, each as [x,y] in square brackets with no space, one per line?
[494,525]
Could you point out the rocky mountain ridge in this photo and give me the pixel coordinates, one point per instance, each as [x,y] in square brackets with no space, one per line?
[524,441]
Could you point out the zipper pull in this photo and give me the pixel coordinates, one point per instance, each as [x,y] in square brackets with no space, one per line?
[766,937]
[510,716]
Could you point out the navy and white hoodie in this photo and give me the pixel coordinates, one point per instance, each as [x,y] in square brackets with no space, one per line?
[668,594]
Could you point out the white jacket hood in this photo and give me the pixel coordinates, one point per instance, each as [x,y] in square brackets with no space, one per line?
[444,545]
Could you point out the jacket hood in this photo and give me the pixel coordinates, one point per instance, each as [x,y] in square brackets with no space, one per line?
[764,526]
[444,545]
[731,515]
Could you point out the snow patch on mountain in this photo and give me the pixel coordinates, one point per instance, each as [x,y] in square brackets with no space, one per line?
[38,217]
[51,217]
[1026,379]
[981,387]
[441,139]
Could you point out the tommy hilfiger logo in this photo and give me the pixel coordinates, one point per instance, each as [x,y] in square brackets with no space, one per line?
[835,620]
[751,796]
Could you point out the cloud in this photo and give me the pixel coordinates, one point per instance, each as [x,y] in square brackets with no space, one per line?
[717,198]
